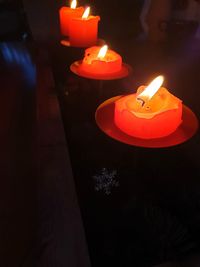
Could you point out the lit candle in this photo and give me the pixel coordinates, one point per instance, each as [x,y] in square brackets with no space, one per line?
[83,32]
[66,14]
[150,113]
[101,60]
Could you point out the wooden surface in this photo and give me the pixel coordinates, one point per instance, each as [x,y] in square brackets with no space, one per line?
[40,219]
[148,212]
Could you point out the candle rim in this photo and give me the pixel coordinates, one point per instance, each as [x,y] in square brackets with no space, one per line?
[149,115]
[86,19]
[71,9]
[96,48]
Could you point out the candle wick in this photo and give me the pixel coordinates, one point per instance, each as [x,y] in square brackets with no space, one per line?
[142,100]
[100,58]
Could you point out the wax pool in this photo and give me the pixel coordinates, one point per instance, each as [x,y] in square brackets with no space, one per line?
[158,117]
[83,32]
[92,63]
[66,14]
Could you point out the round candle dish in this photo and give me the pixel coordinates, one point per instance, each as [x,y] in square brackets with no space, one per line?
[124,72]
[65,42]
[104,117]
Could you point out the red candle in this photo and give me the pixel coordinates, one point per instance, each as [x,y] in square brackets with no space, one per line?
[66,14]
[150,113]
[83,31]
[101,60]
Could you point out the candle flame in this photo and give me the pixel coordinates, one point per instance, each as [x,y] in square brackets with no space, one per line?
[73,4]
[152,88]
[102,51]
[86,13]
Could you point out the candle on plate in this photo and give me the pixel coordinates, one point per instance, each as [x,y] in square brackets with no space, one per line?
[83,32]
[66,14]
[150,113]
[101,60]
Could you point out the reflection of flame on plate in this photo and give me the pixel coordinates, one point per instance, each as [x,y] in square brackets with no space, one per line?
[124,72]
[66,42]
[105,120]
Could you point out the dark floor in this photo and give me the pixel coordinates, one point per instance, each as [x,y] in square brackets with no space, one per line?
[40,217]
[61,237]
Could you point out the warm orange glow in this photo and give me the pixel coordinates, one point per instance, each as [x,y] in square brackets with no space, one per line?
[73,4]
[102,52]
[152,88]
[86,13]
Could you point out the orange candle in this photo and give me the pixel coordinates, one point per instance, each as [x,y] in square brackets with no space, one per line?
[66,14]
[83,32]
[101,60]
[150,113]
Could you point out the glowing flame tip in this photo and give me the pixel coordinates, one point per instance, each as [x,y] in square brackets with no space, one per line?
[153,87]
[73,4]
[102,51]
[86,13]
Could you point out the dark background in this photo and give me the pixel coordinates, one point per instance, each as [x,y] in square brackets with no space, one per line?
[152,215]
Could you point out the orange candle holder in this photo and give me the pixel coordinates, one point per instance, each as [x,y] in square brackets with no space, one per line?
[101,63]
[66,14]
[83,31]
[104,117]
[150,118]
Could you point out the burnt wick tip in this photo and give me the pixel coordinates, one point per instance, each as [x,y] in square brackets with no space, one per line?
[142,100]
